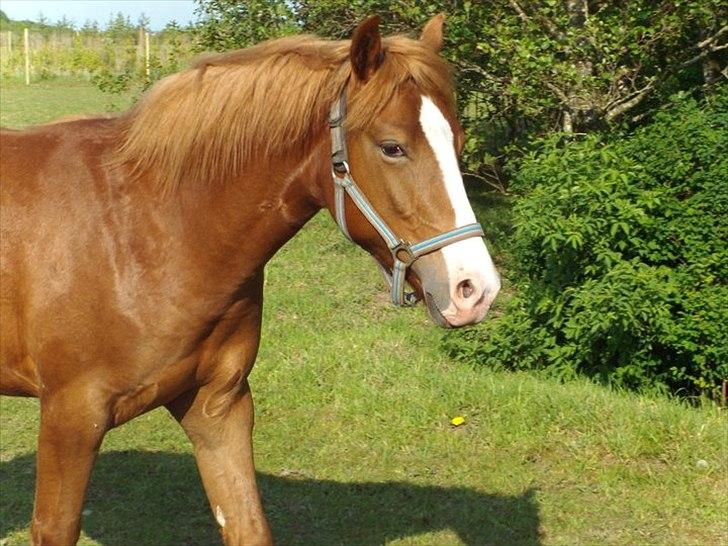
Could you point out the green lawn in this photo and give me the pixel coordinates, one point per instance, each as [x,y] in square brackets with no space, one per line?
[353,441]
[22,105]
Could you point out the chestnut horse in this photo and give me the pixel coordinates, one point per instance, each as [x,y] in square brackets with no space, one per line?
[133,247]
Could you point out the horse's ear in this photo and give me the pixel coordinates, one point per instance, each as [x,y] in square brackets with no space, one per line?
[432,34]
[366,48]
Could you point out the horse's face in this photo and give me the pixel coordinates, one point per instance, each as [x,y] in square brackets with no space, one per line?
[405,162]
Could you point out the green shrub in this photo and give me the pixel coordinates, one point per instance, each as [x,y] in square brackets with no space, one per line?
[621,251]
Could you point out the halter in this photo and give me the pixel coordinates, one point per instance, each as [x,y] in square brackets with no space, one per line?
[404,254]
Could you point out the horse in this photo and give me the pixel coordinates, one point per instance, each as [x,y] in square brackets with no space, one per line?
[134,246]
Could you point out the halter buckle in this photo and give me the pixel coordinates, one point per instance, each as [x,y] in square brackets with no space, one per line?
[404,254]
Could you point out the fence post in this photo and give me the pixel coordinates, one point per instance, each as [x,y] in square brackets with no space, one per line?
[26,43]
[146,53]
[140,45]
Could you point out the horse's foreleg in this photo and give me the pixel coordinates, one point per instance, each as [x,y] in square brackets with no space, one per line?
[71,430]
[222,438]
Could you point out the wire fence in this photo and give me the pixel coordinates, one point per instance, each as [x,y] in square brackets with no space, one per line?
[35,56]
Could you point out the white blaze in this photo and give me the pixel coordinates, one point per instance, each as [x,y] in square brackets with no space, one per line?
[467,259]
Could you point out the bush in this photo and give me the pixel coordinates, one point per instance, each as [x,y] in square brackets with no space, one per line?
[621,251]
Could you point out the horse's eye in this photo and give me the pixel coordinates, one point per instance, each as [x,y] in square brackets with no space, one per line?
[391,149]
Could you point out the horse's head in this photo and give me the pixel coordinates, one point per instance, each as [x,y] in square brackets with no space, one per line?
[399,190]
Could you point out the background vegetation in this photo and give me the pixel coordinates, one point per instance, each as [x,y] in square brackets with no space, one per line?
[621,247]
[112,55]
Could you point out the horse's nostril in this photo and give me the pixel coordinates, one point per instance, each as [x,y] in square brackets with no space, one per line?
[466,289]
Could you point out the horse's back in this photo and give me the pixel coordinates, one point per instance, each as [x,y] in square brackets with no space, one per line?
[48,162]
[49,176]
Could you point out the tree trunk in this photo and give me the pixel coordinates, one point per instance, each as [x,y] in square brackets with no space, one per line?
[578,110]
[711,64]
[578,11]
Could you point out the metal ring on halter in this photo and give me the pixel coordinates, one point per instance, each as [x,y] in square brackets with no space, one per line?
[403,253]
[341,167]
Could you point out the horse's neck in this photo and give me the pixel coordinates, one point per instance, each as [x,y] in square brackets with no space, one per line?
[239,228]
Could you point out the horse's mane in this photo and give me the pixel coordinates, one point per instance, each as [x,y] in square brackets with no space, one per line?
[205,123]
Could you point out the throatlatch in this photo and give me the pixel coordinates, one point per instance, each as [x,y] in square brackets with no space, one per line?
[404,254]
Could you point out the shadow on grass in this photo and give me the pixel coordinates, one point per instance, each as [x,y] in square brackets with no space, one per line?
[156,498]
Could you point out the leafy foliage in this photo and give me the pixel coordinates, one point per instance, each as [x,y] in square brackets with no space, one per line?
[524,66]
[231,24]
[621,245]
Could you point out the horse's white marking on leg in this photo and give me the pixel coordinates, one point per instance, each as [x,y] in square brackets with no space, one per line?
[219,516]
[468,258]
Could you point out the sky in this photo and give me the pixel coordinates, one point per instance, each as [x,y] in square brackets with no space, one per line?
[160,12]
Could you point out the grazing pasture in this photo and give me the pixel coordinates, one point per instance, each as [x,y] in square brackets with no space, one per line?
[353,437]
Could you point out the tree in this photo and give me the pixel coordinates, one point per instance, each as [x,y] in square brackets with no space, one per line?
[524,67]
[119,27]
[229,24]
[143,22]
[172,35]
[574,65]
[90,28]
[65,24]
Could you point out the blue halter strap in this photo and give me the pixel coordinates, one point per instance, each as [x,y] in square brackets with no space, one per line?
[404,254]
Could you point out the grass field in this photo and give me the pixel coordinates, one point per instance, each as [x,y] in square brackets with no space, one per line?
[353,441]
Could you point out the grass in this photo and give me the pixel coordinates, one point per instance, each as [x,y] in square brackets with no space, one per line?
[353,441]
[22,105]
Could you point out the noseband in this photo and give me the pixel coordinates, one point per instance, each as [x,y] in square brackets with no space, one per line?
[404,254]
